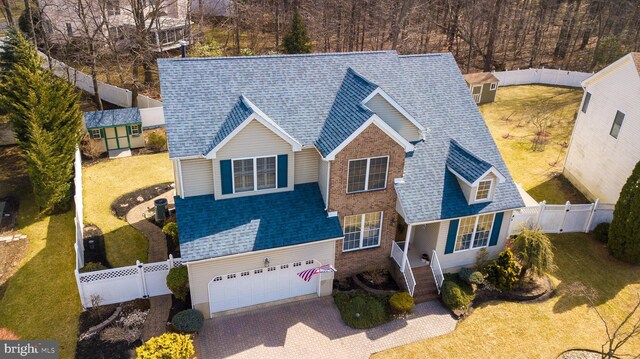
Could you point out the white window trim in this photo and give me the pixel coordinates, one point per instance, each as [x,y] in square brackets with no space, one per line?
[137,131]
[363,215]
[99,134]
[255,174]
[489,194]
[473,235]
[494,86]
[366,179]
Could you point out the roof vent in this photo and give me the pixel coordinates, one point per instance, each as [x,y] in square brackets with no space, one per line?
[183,48]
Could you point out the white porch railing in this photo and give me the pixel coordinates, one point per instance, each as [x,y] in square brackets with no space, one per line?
[436,270]
[398,255]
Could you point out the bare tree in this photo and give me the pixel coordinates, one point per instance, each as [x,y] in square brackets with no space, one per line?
[619,335]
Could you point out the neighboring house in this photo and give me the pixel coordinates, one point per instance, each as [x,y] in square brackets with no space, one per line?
[115,130]
[605,145]
[284,163]
[116,20]
[483,86]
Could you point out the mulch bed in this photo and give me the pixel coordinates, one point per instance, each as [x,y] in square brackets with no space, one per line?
[11,255]
[94,249]
[9,219]
[378,282]
[94,347]
[123,204]
[177,306]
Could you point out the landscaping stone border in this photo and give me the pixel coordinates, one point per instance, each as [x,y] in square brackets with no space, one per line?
[13,238]
[580,354]
[96,328]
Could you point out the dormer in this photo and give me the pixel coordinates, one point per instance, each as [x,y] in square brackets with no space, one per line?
[477,178]
[383,105]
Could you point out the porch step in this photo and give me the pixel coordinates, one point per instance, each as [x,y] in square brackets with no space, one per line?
[426,289]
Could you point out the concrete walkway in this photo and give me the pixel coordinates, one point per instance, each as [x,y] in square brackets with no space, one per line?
[161,305]
[313,329]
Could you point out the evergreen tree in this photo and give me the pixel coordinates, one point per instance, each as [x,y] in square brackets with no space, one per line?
[296,41]
[46,117]
[624,232]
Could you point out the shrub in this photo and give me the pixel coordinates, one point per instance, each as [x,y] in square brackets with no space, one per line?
[171,230]
[504,272]
[167,346]
[178,282]
[401,303]
[92,267]
[535,252]
[157,141]
[471,276]
[187,321]
[6,334]
[455,296]
[91,148]
[482,259]
[624,241]
[602,232]
[362,310]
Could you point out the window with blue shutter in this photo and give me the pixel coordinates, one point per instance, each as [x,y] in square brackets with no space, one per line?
[283,171]
[451,237]
[495,232]
[226,180]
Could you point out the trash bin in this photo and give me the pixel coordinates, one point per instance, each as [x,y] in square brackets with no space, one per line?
[161,209]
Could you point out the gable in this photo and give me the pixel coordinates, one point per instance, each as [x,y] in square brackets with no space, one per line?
[255,139]
[394,118]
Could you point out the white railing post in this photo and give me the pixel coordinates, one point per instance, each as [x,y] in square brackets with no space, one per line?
[567,208]
[143,282]
[170,260]
[541,210]
[406,248]
[436,270]
[591,215]
[80,291]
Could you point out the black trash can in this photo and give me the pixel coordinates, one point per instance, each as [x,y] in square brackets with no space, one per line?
[161,209]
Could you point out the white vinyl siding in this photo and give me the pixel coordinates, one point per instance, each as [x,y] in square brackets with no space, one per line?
[201,273]
[307,162]
[394,118]
[255,140]
[597,163]
[197,177]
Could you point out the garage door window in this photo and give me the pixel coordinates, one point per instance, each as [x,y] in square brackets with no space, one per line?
[362,231]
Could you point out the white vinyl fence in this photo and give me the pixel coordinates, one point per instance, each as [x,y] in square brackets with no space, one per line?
[142,280]
[561,218]
[78,219]
[542,76]
[112,94]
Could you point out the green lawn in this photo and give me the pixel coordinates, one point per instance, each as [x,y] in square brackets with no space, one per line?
[106,181]
[544,330]
[40,300]
[511,120]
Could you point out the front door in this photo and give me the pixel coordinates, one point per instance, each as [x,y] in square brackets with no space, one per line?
[477,93]
[116,137]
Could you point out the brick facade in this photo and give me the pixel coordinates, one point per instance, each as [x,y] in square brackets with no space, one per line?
[372,142]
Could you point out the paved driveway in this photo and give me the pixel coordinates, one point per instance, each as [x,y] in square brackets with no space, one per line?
[313,329]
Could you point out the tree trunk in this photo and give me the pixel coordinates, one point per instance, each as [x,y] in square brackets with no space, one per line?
[453,24]
[8,13]
[277,15]
[488,57]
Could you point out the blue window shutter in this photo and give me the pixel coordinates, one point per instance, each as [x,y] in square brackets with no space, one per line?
[226,182]
[283,169]
[451,237]
[495,232]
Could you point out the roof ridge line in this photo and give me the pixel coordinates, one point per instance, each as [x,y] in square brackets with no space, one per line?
[221,58]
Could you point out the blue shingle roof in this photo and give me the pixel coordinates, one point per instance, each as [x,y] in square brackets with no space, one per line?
[465,164]
[108,118]
[315,99]
[210,228]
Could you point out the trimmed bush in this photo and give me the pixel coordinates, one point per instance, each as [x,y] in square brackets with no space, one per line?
[188,321]
[504,272]
[171,230]
[471,276]
[624,241]
[167,346]
[455,296]
[401,303]
[535,253]
[178,282]
[602,232]
[92,267]
[157,141]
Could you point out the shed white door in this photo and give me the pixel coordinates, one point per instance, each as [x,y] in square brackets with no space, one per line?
[262,285]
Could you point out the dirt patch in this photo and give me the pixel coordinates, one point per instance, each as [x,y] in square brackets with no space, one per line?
[13,176]
[123,204]
[11,255]
[94,347]
[177,306]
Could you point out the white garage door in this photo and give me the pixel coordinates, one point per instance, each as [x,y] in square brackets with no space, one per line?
[262,285]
